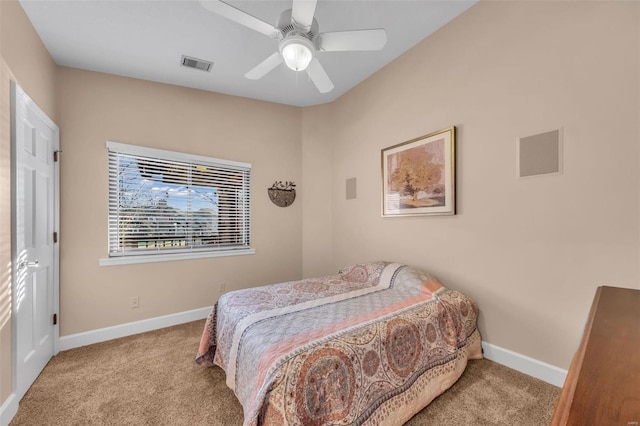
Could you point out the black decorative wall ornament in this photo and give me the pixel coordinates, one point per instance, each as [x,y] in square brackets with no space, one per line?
[282,194]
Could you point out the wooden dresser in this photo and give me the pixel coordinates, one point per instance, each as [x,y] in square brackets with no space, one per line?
[603,383]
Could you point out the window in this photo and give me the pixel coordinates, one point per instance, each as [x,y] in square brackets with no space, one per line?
[169,205]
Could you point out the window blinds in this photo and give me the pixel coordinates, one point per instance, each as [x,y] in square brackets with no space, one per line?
[167,202]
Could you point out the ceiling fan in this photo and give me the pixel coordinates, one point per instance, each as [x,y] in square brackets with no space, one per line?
[299,39]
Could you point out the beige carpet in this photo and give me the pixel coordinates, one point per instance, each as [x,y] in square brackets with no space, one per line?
[152,379]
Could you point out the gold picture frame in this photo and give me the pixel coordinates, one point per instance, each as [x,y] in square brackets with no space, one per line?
[419,176]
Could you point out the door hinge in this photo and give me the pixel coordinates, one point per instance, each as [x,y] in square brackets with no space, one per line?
[56,156]
[55,237]
[55,319]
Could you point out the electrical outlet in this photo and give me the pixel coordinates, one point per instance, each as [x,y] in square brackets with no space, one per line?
[223,288]
[134,302]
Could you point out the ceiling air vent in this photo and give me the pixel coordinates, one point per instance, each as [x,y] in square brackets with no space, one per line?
[196,63]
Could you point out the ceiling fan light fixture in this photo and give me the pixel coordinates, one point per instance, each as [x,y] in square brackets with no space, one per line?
[297,52]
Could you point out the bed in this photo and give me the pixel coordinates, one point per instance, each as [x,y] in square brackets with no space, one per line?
[371,345]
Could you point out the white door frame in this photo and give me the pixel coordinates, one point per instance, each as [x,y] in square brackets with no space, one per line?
[16,91]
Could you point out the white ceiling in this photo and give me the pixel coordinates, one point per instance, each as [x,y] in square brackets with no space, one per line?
[146,40]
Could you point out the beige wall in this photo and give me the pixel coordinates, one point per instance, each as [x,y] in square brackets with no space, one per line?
[98,107]
[317,241]
[24,59]
[531,251]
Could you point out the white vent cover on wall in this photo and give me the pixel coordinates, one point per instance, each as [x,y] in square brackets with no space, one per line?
[199,64]
[540,154]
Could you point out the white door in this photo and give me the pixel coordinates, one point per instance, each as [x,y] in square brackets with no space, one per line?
[35,138]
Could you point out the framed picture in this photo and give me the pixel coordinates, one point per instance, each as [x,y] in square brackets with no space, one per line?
[419,176]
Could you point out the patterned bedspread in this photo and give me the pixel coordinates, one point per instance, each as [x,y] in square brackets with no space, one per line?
[371,345]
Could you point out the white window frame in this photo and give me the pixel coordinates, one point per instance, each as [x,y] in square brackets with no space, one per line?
[183,254]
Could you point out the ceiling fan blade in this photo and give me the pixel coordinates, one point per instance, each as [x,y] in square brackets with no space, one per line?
[319,76]
[302,13]
[353,40]
[264,67]
[242,18]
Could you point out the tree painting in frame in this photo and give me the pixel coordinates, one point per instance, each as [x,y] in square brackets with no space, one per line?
[418,176]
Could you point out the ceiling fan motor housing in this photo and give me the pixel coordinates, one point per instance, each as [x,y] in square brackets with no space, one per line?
[297,46]
[286,25]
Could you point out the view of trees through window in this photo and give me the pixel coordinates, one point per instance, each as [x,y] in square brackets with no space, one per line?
[170,205]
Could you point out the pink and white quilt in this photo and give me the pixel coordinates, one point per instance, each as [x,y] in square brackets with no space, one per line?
[370,345]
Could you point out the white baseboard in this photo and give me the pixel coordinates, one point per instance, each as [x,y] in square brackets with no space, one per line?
[8,409]
[524,364]
[128,329]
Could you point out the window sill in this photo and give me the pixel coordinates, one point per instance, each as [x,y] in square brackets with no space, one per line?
[128,260]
